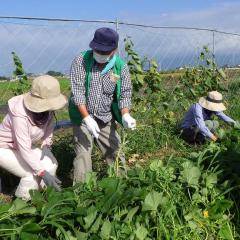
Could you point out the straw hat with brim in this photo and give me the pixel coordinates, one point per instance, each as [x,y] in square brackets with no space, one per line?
[45,95]
[213,102]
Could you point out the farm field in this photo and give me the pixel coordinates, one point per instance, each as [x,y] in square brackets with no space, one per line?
[171,190]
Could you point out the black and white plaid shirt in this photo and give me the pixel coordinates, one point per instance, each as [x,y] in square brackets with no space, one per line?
[101,90]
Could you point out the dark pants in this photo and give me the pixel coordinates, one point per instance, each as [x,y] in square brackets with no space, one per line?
[192,135]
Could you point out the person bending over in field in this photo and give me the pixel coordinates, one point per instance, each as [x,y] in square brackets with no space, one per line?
[101,93]
[197,125]
[29,120]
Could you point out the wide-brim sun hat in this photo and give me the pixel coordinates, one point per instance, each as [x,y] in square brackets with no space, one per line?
[105,40]
[213,102]
[45,95]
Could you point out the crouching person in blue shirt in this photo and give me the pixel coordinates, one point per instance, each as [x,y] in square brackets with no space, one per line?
[197,125]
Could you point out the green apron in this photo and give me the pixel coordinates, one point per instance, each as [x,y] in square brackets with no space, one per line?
[73,111]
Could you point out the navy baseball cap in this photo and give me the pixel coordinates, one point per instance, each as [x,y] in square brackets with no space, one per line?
[105,40]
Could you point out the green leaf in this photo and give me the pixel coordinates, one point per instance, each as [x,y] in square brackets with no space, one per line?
[82,236]
[109,185]
[4,207]
[27,236]
[211,180]
[219,207]
[131,63]
[191,174]
[156,165]
[96,224]
[106,230]
[221,133]
[89,219]
[126,229]
[236,125]
[18,204]
[37,199]
[192,225]
[31,228]
[21,207]
[225,232]
[151,201]
[194,155]
[90,179]
[130,214]
[136,57]
[202,55]
[208,61]
[70,236]
[221,72]
[60,228]
[118,215]
[82,211]
[154,64]
[140,78]
[193,92]
[204,192]
[141,233]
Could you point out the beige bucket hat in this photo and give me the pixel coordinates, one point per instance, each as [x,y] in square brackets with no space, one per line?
[45,95]
[213,102]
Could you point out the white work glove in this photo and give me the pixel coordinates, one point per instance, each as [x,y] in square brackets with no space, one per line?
[92,126]
[128,121]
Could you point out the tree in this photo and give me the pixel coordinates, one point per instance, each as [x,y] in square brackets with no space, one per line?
[24,84]
[54,73]
[19,71]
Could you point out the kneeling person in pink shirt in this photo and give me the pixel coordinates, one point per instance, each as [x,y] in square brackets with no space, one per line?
[30,120]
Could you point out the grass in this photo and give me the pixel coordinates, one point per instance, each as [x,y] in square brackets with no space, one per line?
[188,194]
[5,91]
[159,140]
[153,136]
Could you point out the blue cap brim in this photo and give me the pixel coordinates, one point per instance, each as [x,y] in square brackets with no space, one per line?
[101,47]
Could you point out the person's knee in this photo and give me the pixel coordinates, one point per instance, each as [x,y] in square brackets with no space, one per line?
[76,162]
[83,149]
[48,161]
[82,159]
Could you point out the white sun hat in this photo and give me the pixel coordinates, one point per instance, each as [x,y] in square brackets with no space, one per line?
[45,95]
[213,102]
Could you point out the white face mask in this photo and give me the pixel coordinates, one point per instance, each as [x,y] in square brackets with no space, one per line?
[101,58]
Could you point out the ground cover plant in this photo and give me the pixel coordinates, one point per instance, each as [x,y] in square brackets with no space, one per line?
[170,191]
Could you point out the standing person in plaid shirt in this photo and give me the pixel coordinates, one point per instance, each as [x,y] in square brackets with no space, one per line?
[101,93]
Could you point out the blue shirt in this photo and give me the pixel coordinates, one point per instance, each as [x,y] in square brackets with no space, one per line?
[197,115]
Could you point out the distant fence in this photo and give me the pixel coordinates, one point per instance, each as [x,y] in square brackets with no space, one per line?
[51,44]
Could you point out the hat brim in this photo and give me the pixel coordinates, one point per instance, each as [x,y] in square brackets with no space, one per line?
[216,107]
[101,47]
[36,104]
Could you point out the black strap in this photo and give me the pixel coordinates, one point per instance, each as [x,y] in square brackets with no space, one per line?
[213,100]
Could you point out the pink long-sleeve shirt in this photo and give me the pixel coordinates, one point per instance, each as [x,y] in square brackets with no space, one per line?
[19,132]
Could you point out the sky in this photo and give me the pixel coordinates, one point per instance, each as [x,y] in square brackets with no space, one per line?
[108,9]
[51,46]
[142,11]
